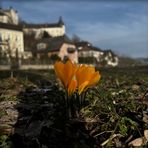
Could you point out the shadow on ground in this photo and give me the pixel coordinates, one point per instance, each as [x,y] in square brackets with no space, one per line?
[42,119]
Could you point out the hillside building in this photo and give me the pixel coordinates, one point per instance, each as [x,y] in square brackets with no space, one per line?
[61,46]
[11,37]
[93,55]
[47,40]
[53,30]
[9,16]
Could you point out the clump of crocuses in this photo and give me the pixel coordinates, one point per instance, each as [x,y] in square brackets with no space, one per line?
[75,79]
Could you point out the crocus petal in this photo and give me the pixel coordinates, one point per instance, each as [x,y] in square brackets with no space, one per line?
[82,87]
[69,71]
[90,69]
[79,74]
[82,74]
[59,68]
[72,87]
[94,79]
[65,72]
[86,77]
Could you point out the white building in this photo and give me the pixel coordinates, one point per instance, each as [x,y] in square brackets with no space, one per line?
[110,58]
[61,46]
[12,40]
[53,30]
[9,16]
[94,55]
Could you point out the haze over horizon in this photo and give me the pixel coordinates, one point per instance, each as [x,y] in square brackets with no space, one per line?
[120,26]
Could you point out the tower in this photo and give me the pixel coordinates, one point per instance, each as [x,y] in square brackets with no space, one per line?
[61,22]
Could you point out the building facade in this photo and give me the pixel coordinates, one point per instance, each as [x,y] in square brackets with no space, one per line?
[9,16]
[61,46]
[11,39]
[93,55]
[53,30]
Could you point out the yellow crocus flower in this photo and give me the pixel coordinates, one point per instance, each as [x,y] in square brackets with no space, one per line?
[72,87]
[66,73]
[86,77]
[72,77]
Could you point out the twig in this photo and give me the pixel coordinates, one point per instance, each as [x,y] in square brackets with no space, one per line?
[129,138]
[112,137]
[142,98]
[102,133]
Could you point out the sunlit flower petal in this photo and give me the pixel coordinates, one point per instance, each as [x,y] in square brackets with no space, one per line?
[72,77]
[69,71]
[82,87]
[94,78]
[86,77]
[72,87]
[59,68]
[66,73]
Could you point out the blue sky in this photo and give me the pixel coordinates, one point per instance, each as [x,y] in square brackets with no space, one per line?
[118,25]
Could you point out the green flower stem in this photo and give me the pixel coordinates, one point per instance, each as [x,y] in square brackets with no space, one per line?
[67,105]
[74,104]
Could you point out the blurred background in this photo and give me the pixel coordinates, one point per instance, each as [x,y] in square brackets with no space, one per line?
[110,33]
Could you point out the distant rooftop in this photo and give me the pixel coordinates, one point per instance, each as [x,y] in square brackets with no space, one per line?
[10,26]
[55,43]
[109,51]
[86,46]
[45,25]
[1,13]
[4,11]
[82,44]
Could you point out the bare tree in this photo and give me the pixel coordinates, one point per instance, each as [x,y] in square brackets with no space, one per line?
[76,38]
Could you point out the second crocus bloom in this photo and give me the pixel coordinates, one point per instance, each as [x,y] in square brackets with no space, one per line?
[86,77]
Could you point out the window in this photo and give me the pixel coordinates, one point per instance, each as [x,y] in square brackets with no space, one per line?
[41,46]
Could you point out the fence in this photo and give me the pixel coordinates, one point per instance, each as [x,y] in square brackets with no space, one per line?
[26,64]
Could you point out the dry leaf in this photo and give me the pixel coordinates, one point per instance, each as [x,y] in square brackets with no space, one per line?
[146,134]
[138,142]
